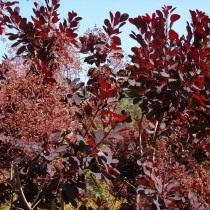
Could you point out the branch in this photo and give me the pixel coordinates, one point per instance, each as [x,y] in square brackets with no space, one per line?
[94,116]
[157,127]
[37,200]
[140,135]
[138,201]
[20,189]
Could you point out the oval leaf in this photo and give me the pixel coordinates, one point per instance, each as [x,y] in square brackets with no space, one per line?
[173,35]
[174,17]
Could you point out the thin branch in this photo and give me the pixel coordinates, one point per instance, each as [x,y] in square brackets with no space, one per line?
[36,204]
[37,199]
[131,185]
[87,128]
[156,129]
[20,189]
[140,135]
[104,138]
[138,201]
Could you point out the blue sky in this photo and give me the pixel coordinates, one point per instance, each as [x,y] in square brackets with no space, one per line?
[95,11]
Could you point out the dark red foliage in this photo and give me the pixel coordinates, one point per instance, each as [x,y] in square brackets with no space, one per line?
[172,35]
[54,130]
[5,6]
[39,38]
[168,74]
[174,17]
[101,45]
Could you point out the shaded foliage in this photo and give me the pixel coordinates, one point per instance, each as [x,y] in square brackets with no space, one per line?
[140,126]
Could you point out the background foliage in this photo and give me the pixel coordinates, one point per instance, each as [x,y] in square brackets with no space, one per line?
[135,136]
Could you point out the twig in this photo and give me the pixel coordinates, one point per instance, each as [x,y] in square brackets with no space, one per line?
[138,201]
[12,178]
[130,184]
[156,129]
[94,116]
[37,199]
[20,189]
[140,135]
